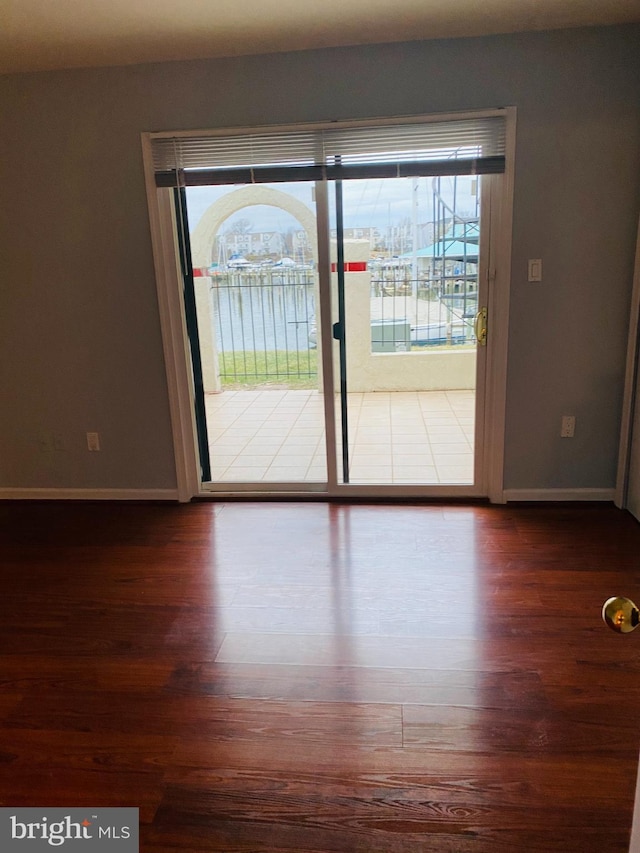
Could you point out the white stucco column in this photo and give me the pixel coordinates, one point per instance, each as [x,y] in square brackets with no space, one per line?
[432,369]
[207,334]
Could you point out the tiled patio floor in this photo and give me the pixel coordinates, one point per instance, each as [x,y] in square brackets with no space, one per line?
[419,437]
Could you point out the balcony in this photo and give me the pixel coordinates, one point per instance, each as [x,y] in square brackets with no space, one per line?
[277,435]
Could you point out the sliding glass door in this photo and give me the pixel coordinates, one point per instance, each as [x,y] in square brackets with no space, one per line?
[408,291]
[335,283]
[256,267]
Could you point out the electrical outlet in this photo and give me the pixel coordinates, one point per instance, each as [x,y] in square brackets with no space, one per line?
[567,426]
[93,441]
[44,441]
[51,440]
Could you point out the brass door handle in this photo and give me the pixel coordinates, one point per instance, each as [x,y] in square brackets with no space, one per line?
[480,327]
[621,615]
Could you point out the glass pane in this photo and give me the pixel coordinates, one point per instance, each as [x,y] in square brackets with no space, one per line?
[411,290]
[255,264]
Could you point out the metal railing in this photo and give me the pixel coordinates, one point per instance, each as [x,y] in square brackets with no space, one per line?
[264,326]
[408,314]
[266,322]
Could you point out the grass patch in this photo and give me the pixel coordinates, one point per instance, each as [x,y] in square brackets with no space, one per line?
[286,369]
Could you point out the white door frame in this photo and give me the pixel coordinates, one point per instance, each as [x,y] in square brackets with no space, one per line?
[177,358]
[630,381]
[634,843]
[498,311]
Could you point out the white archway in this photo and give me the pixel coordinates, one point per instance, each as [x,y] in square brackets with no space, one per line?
[206,230]
[202,241]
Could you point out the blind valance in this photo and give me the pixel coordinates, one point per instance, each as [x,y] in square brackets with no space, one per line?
[332,152]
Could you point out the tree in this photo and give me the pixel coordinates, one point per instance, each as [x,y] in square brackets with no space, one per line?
[240,226]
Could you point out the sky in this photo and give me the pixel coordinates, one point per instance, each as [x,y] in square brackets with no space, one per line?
[377,203]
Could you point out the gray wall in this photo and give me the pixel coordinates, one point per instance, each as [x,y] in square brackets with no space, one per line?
[80,345]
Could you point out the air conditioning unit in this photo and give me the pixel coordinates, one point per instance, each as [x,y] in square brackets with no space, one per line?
[390,335]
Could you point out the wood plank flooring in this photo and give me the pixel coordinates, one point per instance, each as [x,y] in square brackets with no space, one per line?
[324,678]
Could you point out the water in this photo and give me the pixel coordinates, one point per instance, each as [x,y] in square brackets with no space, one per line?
[261,316]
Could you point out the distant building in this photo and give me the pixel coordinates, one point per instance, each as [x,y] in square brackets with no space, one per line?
[301,250]
[251,244]
[371,234]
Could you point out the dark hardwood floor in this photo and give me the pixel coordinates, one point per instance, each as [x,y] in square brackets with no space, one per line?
[323,678]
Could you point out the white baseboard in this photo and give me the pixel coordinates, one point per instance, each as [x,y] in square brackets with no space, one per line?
[559,494]
[89,494]
[38,494]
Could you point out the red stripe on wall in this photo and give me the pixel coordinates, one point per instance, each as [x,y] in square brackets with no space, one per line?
[351,266]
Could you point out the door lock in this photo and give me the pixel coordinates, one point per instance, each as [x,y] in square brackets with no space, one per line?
[480,327]
[621,615]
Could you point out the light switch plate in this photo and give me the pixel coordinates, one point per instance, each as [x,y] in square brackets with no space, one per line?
[535,269]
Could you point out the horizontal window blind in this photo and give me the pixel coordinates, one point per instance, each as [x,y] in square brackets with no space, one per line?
[451,147]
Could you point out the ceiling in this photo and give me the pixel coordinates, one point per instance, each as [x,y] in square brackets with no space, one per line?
[54,34]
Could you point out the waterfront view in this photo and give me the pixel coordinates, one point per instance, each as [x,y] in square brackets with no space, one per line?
[422,264]
[409,285]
